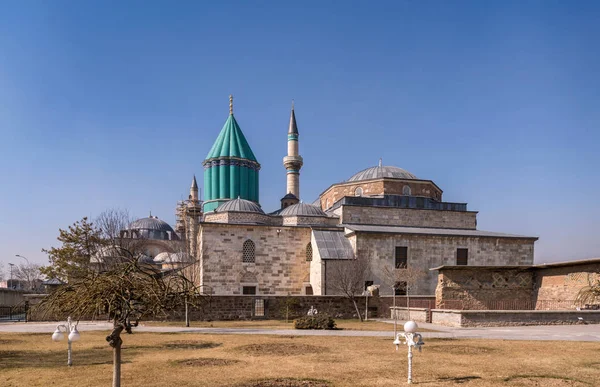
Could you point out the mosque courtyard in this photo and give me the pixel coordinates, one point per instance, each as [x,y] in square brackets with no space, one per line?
[268,354]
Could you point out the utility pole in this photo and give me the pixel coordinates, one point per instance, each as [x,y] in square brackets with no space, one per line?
[11,280]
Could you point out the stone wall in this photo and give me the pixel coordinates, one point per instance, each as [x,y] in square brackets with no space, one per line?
[244,307]
[427,251]
[409,217]
[557,287]
[309,220]
[241,218]
[415,314]
[10,297]
[499,318]
[280,265]
[481,289]
[424,188]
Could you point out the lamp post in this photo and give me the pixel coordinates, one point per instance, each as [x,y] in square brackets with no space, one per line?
[11,281]
[20,256]
[73,335]
[411,339]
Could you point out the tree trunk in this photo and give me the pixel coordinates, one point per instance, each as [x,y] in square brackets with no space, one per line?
[187,315]
[357,311]
[115,341]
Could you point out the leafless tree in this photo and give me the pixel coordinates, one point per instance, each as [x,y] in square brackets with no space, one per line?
[28,273]
[405,279]
[590,294]
[347,277]
[111,222]
[1,271]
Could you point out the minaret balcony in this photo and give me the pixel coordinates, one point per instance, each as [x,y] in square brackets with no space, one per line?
[293,162]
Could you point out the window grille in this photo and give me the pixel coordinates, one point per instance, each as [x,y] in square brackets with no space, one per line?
[259,307]
[309,252]
[401,258]
[248,290]
[406,190]
[248,251]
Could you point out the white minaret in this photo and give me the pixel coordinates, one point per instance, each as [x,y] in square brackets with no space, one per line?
[293,161]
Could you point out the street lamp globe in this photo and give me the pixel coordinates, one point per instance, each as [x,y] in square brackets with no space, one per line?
[74,335]
[57,335]
[410,327]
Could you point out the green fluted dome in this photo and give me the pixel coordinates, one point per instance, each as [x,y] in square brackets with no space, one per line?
[231,143]
[230,169]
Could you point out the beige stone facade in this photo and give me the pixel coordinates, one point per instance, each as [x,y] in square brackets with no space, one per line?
[279,267]
[408,217]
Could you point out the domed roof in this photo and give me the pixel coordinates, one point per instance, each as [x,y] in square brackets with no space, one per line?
[302,209]
[378,172]
[150,223]
[166,257]
[239,205]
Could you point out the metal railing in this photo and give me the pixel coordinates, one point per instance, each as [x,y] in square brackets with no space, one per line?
[13,313]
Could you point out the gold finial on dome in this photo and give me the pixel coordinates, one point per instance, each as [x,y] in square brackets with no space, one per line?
[230,104]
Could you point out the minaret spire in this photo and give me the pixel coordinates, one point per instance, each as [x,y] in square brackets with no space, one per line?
[230,104]
[293,161]
[194,189]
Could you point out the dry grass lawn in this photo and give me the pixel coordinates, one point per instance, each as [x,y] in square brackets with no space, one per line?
[353,325]
[178,359]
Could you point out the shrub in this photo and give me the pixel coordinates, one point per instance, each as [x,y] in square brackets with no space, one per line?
[320,321]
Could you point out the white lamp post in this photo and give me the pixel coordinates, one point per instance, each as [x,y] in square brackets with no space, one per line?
[411,339]
[73,335]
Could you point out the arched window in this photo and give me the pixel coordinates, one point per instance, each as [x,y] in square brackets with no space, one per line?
[309,252]
[248,251]
[406,190]
[358,191]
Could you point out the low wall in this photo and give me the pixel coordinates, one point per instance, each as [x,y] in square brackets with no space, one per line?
[499,318]
[244,307]
[416,314]
[10,297]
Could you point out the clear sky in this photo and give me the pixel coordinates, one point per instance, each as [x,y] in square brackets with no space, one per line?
[116,103]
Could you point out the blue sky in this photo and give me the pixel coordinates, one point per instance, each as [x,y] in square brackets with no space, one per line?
[115,104]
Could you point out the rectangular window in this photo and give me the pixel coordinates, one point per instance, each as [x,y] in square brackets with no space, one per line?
[249,290]
[401,258]
[462,256]
[400,288]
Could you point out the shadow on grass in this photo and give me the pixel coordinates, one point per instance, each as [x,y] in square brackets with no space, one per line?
[285,382]
[204,362]
[52,359]
[280,349]
[541,380]
[459,379]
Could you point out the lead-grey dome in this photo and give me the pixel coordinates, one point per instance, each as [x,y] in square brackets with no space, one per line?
[302,209]
[239,205]
[382,171]
[150,223]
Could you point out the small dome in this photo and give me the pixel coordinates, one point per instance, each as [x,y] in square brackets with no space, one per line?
[150,223]
[382,171]
[289,196]
[161,257]
[302,209]
[239,205]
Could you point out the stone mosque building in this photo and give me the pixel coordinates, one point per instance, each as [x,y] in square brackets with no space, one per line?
[383,213]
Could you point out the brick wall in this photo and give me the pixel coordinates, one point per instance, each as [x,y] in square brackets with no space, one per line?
[498,318]
[560,285]
[409,217]
[481,289]
[379,187]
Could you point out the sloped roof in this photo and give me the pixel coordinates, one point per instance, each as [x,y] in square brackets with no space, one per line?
[333,245]
[231,142]
[430,231]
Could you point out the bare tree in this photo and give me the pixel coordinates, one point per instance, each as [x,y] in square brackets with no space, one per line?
[1,271]
[111,222]
[125,290]
[347,277]
[590,294]
[28,273]
[403,279]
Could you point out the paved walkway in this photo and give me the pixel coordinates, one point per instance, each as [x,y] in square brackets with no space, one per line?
[546,332]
